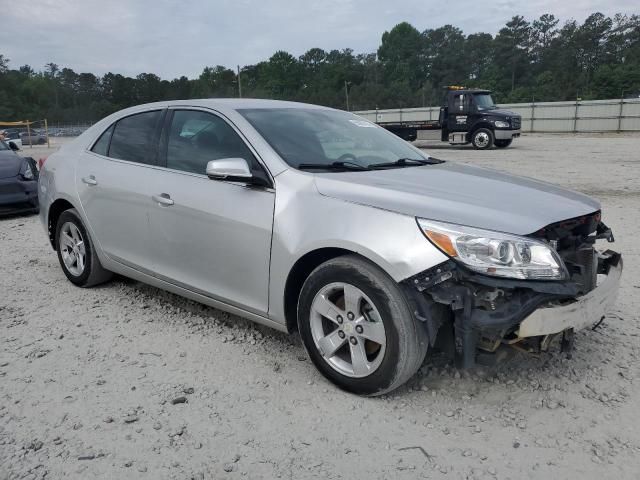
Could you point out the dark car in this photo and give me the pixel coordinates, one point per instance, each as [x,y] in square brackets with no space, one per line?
[18,182]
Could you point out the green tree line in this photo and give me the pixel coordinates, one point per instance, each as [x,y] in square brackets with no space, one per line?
[541,60]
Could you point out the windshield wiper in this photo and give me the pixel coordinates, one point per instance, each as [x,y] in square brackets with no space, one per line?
[406,162]
[332,166]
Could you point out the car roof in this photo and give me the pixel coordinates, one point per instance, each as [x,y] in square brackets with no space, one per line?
[228,104]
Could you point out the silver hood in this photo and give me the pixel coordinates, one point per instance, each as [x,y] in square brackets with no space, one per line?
[460,194]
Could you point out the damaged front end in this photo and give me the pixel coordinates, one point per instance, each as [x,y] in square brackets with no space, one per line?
[488,312]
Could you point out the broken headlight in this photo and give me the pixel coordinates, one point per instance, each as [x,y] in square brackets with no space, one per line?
[25,171]
[495,253]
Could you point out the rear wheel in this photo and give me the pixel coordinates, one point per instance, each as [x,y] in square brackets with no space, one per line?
[503,143]
[357,327]
[482,139]
[76,254]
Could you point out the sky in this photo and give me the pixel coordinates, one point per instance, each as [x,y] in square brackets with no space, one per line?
[180,37]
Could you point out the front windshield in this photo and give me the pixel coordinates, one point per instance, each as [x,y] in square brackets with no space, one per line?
[3,146]
[323,137]
[484,101]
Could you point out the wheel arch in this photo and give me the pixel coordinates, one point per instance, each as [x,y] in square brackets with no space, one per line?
[55,210]
[301,270]
[477,126]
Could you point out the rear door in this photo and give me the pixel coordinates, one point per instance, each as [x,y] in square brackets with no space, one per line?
[213,237]
[115,185]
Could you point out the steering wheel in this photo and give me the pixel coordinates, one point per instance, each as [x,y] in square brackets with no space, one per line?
[347,157]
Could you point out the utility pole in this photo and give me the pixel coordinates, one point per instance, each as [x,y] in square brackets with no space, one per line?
[239,84]
[621,111]
[29,133]
[346,93]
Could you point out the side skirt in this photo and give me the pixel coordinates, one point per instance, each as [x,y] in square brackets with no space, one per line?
[129,272]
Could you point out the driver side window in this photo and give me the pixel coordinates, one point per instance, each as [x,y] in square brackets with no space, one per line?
[458,103]
[195,138]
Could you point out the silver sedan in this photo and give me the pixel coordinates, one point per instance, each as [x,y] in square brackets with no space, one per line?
[309,219]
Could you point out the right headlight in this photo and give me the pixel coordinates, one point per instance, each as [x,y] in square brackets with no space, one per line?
[495,253]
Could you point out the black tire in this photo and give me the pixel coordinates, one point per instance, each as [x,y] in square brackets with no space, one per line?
[503,143]
[482,139]
[406,338]
[92,273]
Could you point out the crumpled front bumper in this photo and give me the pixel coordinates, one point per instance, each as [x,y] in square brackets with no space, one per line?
[583,312]
[490,312]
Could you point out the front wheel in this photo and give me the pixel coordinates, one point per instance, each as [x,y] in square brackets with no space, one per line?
[482,139]
[503,143]
[357,327]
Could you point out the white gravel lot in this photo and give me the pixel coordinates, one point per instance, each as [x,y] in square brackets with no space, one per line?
[88,378]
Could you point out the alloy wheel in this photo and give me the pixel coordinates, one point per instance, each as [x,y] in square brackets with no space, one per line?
[347,330]
[72,249]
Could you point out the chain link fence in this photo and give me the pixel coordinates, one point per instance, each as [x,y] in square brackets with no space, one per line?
[67,129]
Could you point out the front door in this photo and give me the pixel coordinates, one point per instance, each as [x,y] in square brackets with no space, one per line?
[458,118]
[213,237]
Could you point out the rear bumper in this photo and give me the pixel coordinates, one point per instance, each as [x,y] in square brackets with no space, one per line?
[18,195]
[506,134]
[583,312]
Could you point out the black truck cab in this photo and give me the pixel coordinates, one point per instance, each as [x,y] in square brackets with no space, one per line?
[470,116]
[467,115]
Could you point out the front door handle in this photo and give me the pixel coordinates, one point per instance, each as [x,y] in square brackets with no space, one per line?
[90,180]
[163,199]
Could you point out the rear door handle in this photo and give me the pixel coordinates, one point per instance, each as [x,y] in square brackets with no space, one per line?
[90,180]
[163,199]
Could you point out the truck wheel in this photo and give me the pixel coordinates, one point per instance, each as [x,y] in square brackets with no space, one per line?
[482,139]
[503,143]
[358,328]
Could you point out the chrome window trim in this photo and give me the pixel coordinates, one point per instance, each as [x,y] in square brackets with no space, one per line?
[210,111]
[113,124]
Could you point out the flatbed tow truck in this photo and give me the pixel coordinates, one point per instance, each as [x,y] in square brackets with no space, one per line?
[467,115]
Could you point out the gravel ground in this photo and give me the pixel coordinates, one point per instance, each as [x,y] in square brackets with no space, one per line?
[127,381]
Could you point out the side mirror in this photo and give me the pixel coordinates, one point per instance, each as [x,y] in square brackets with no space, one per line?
[233,170]
[13,146]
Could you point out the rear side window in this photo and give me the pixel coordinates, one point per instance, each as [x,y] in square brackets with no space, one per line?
[101,147]
[134,138]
